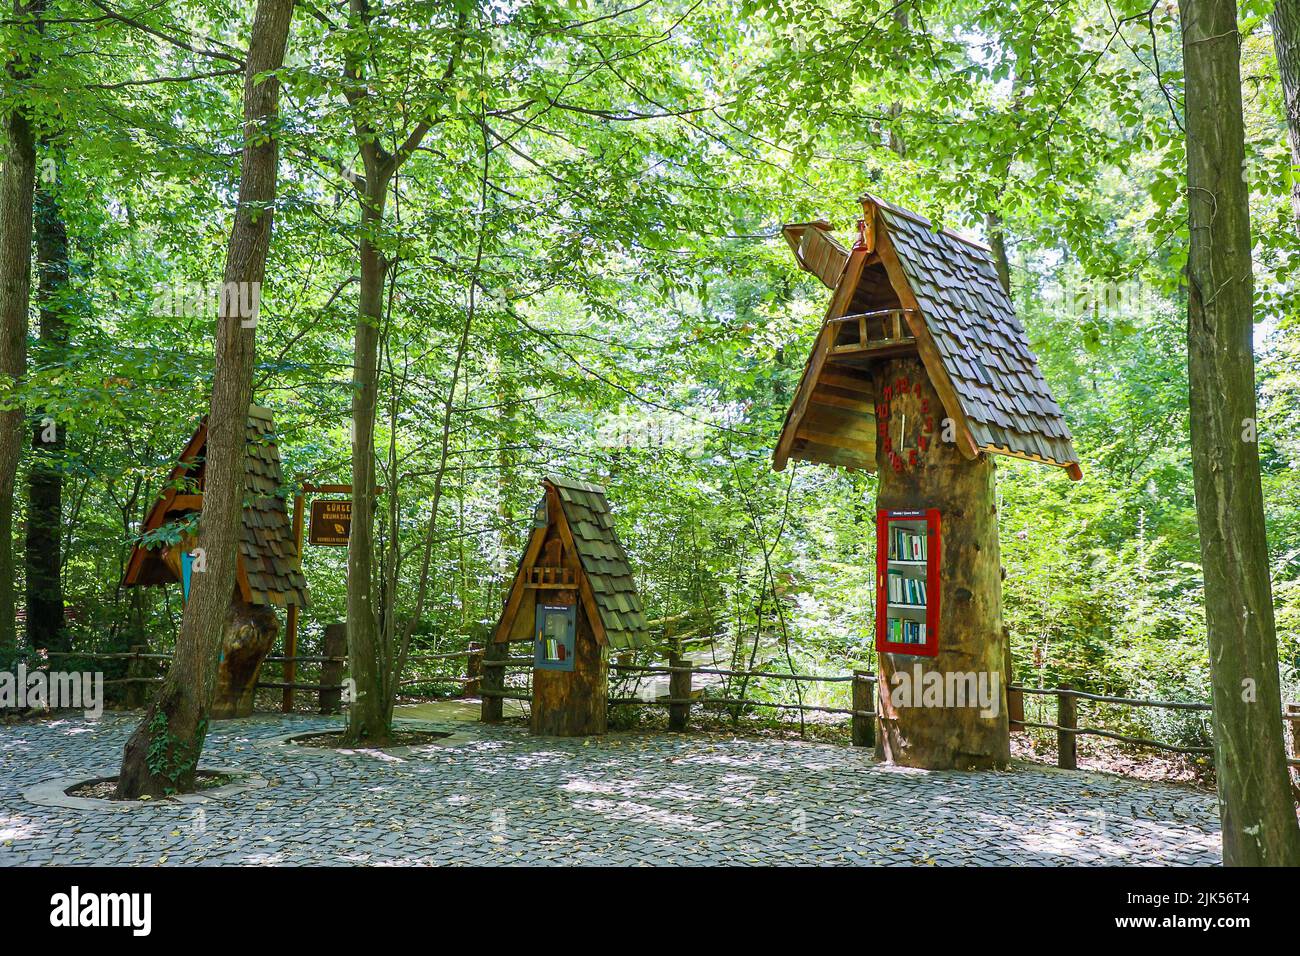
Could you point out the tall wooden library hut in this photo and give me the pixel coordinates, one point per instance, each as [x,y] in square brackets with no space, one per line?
[574,600]
[922,373]
[267,570]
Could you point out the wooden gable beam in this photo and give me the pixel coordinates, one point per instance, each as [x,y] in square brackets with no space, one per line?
[812,370]
[925,345]
[534,548]
[158,513]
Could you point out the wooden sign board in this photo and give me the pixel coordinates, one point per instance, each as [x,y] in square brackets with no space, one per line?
[331,522]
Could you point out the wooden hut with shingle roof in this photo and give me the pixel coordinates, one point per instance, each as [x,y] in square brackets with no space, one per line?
[574,598]
[268,571]
[921,372]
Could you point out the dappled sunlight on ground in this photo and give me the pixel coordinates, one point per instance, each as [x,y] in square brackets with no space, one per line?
[498,795]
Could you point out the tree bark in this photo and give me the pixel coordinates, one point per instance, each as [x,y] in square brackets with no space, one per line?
[45,624]
[17,183]
[1285,23]
[369,714]
[998,244]
[971,637]
[1258,818]
[163,753]
[370,653]
[249,633]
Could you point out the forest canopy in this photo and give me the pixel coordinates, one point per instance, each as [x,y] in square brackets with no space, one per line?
[584,275]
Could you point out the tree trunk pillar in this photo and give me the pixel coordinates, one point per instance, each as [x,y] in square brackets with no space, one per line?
[864,728]
[247,639]
[573,703]
[1067,750]
[917,733]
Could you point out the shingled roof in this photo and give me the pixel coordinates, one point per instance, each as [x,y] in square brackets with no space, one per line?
[604,561]
[606,583]
[268,570]
[907,287]
[267,546]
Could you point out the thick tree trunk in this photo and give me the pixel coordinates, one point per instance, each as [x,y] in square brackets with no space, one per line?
[1285,22]
[45,625]
[573,703]
[246,640]
[163,753]
[971,637]
[1258,817]
[17,183]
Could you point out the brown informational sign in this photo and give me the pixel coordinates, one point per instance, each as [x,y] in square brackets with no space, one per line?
[331,522]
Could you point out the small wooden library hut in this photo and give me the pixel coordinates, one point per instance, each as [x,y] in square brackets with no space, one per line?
[921,373]
[574,599]
[267,572]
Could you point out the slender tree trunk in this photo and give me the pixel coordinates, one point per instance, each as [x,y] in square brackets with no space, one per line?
[17,183]
[998,244]
[1259,820]
[45,625]
[1285,22]
[370,651]
[368,714]
[163,753]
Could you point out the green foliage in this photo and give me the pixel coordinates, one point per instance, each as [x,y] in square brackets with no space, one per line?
[609,183]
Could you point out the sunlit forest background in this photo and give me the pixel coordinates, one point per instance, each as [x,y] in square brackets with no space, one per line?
[617,177]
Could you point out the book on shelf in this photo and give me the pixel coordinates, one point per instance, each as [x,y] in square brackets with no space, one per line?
[906,590]
[906,632]
[905,545]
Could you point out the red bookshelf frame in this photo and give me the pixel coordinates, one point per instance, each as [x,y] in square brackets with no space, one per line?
[885,520]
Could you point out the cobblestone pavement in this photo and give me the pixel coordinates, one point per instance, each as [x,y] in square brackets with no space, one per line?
[503,797]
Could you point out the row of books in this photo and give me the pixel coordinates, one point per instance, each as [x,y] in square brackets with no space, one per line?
[906,632]
[553,649]
[906,545]
[905,590]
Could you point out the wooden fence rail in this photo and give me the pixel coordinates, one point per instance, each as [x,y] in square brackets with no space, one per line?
[486,666]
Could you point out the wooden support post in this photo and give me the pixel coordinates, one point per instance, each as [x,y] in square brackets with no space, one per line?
[331,672]
[137,691]
[473,670]
[679,688]
[1067,720]
[864,728]
[291,623]
[494,679]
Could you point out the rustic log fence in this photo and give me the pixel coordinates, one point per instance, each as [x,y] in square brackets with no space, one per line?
[486,671]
